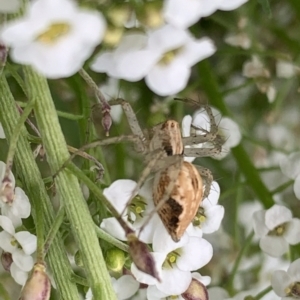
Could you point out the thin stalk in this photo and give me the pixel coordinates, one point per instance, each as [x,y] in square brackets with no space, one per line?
[263,293]
[68,187]
[35,189]
[238,260]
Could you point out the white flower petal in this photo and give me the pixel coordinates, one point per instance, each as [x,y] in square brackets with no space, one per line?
[5,242]
[280,281]
[259,225]
[113,227]
[21,206]
[231,5]
[273,245]
[277,215]
[27,241]
[231,132]
[167,38]
[294,270]
[186,125]
[290,165]
[7,225]
[174,281]
[23,261]
[297,187]
[292,231]
[125,287]
[194,231]
[168,79]
[196,50]
[206,280]
[133,66]
[119,192]
[195,254]
[18,275]
[162,242]
[214,217]
[181,13]
[213,197]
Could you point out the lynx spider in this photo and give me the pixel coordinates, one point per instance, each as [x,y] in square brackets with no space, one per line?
[178,187]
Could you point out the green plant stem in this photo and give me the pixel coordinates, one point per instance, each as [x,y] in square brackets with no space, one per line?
[36,191]
[238,260]
[79,280]
[68,187]
[54,229]
[211,88]
[263,293]
[110,239]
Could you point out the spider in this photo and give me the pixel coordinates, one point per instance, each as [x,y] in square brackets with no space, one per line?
[179,186]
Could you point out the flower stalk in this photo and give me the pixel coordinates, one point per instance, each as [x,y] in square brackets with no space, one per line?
[68,186]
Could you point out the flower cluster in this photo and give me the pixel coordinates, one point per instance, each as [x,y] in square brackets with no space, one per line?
[175,262]
[17,245]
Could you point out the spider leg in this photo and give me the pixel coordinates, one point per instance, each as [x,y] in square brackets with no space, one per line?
[207,176]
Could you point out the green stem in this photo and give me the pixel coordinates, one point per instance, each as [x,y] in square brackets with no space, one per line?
[36,191]
[79,280]
[263,293]
[282,187]
[210,85]
[3,293]
[54,229]
[68,187]
[69,116]
[110,239]
[238,260]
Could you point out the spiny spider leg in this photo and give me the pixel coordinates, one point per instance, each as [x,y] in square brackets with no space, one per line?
[208,178]
[133,123]
[202,152]
[113,140]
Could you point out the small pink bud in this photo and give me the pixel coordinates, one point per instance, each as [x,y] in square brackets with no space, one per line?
[38,285]
[6,260]
[7,193]
[141,256]
[195,291]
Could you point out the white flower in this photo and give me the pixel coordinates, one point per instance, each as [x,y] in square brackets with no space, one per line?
[175,261]
[182,13]
[286,284]
[239,40]
[290,166]
[276,228]
[21,245]
[54,36]
[2,134]
[255,68]
[125,287]
[9,6]
[227,128]
[118,193]
[153,293]
[210,214]
[164,57]
[217,293]
[17,209]
[286,69]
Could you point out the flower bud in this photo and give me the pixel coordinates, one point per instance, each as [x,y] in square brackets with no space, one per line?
[38,285]
[115,260]
[141,256]
[6,260]
[7,193]
[195,291]
[78,259]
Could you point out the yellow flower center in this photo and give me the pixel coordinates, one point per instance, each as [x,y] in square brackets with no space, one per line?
[171,259]
[278,231]
[137,207]
[169,56]
[54,32]
[200,217]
